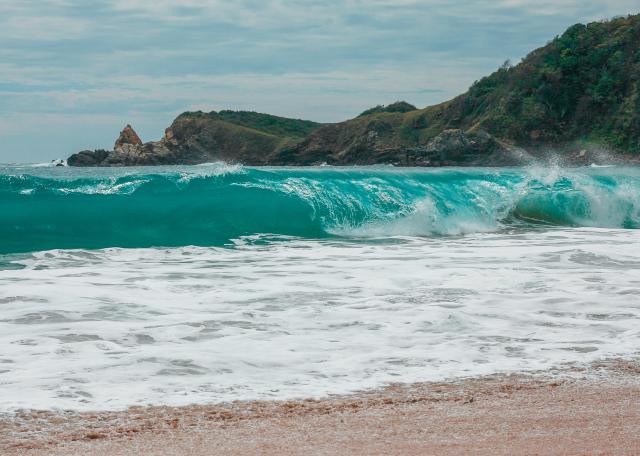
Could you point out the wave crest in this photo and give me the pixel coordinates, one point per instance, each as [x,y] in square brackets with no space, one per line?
[214,204]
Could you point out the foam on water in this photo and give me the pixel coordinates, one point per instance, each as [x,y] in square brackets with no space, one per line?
[281,317]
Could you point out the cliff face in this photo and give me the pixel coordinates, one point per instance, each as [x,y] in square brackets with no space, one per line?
[577,95]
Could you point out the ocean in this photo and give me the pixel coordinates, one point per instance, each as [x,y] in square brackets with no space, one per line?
[212,283]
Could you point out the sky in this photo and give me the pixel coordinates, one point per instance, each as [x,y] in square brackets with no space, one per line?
[74,72]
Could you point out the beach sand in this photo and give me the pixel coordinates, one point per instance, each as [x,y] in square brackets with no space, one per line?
[593,410]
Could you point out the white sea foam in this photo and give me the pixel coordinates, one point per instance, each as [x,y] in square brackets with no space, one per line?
[211,169]
[298,318]
[51,164]
[106,188]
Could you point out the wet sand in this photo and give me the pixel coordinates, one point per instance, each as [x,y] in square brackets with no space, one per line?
[594,410]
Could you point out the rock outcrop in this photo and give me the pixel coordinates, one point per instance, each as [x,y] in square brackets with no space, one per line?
[128,137]
[455,147]
[128,150]
[89,158]
[385,139]
[192,138]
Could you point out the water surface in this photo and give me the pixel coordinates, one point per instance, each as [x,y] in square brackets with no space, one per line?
[205,284]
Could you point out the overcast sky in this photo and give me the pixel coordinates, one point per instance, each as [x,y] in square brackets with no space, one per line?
[75,71]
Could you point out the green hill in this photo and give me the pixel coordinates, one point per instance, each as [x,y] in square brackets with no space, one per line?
[582,90]
[576,96]
[266,123]
[197,137]
[584,85]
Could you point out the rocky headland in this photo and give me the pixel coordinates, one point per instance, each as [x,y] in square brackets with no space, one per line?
[577,99]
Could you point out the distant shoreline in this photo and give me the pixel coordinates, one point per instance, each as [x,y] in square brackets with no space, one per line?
[593,410]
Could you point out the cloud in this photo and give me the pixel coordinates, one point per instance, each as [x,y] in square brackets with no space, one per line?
[46,28]
[143,61]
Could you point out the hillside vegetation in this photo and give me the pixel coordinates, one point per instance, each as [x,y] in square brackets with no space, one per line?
[266,123]
[398,106]
[584,85]
[581,88]
[579,93]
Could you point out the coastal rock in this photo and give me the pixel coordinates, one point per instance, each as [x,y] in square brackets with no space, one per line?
[128,136]
[450,144]
[454,145]
[195,137]
[88,158]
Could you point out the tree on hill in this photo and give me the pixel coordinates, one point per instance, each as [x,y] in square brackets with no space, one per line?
[398,106]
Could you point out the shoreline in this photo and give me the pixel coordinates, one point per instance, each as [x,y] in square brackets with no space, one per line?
[545,162]
[572,410]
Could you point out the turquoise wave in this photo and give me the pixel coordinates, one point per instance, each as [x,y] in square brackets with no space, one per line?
[213,205]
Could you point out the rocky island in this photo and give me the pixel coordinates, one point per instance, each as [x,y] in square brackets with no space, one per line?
[578,96]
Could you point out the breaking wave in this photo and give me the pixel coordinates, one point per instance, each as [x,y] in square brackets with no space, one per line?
[217,203]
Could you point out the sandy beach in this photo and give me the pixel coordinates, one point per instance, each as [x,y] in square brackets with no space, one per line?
[594,410]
